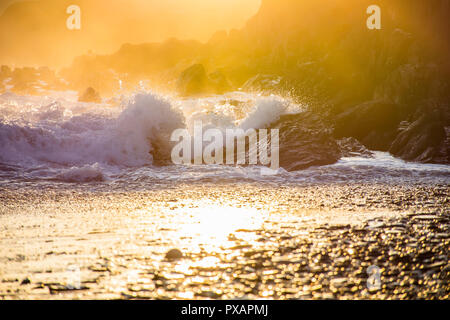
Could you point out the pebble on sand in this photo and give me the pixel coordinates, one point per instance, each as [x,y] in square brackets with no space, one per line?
[174,254]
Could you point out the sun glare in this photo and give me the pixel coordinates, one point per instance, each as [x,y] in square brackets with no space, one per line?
[213,227]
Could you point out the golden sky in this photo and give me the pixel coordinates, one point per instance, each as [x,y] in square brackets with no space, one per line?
[34,31]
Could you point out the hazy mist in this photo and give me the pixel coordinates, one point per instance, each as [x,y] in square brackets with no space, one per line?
[34,32]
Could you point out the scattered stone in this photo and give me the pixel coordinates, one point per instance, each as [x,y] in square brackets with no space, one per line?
[56,288]
[174,254]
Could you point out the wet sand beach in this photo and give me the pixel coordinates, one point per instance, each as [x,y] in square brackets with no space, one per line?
[237,240]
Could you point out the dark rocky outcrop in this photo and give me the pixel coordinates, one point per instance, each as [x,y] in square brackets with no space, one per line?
[350,147]
[374,123]
[193,80]
[262,82]
[305,142]
[427,140]
[218,82]
[90,95]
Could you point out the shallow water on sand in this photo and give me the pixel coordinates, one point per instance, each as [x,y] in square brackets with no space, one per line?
[238,240]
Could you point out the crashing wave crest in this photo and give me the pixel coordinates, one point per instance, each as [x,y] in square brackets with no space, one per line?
[80,135]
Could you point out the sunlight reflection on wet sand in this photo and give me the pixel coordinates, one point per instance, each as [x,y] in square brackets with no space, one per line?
[290,243]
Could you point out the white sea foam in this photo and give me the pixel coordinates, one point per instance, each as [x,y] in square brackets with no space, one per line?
[266,111]
[55,135]
[85,173]
[60,131]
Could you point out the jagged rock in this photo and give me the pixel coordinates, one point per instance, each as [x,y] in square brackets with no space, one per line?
[90,95]
[350,147]
[218,82]
[305,142]
[425,140]
[374,123]
[193,80]
[262,82]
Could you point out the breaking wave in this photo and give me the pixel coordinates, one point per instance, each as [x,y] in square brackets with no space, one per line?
[87,138]
[57,138]
[40,131]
